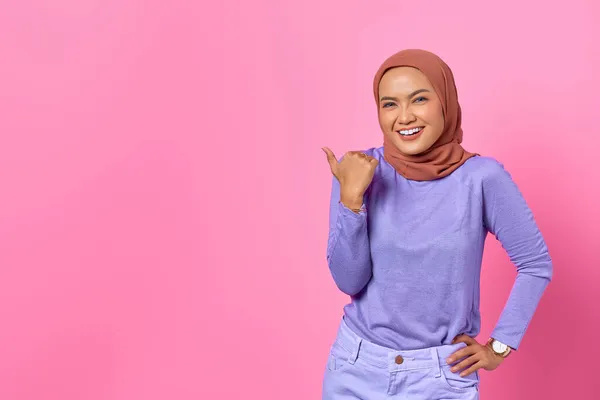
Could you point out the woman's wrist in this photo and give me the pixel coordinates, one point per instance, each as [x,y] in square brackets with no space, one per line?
[352,202]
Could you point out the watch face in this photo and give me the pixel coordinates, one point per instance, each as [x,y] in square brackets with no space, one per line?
[499,347]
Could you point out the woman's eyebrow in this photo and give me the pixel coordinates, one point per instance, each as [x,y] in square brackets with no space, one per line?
[417,92]
[409,96]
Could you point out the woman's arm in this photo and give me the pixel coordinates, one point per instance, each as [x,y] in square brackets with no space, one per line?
[348,250]
[508,217]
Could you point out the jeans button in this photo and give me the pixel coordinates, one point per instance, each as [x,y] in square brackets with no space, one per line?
[399,360]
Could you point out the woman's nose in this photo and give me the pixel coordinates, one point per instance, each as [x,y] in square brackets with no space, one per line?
[405,116]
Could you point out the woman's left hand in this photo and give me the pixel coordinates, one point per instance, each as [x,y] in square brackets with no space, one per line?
[478,356]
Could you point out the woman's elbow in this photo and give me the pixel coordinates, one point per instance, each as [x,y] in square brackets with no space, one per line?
[350,288]
[540,269]
[350,284]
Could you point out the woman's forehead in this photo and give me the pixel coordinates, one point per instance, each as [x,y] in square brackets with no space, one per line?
[404,78]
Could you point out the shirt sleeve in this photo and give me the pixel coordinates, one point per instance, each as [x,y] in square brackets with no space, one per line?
[348,250]
[508,217]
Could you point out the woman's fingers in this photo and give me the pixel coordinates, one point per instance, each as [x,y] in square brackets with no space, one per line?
[462,353]
[473,368]
[465,363]
[331,159]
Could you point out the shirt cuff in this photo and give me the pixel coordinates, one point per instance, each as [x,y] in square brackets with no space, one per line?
[348,211]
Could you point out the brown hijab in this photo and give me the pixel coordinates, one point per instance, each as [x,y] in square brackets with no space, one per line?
[446,154]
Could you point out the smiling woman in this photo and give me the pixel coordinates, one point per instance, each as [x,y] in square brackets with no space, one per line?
[407,227]
[415,89]
[409,110]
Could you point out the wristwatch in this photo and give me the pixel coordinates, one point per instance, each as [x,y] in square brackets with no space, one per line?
[499,348]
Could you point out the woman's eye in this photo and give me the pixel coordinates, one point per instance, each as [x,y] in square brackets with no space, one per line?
[387,105]
[420,99]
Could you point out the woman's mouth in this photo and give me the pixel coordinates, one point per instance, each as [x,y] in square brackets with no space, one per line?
[410,134]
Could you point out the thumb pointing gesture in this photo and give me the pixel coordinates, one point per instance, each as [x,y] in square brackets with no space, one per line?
[331,160]
[354,172]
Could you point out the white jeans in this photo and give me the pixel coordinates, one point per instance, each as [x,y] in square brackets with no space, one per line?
[358,369]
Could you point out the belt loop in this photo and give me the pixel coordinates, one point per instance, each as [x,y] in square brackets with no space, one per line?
[352,357]
[436,359]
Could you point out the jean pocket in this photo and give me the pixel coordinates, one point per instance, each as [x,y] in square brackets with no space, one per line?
[338,357]
[457,383]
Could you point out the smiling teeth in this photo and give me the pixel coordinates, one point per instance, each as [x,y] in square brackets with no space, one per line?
[410,132]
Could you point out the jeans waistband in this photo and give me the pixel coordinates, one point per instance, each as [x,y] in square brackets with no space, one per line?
[385,357]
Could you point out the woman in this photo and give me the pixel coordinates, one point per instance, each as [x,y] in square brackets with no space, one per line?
[408,222]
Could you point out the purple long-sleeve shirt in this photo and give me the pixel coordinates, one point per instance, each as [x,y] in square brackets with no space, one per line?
[411,261]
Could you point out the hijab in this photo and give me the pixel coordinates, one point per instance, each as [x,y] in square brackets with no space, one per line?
[446,154]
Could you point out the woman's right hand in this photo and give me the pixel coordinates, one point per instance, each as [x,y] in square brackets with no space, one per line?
[354,173]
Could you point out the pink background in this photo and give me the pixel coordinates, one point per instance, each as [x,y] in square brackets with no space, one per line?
[163,217]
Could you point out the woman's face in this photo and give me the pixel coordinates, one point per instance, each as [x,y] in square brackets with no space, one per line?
[410,112]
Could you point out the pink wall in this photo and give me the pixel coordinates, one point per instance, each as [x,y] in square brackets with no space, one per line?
[163,216]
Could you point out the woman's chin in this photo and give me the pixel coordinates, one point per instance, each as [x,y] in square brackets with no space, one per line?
[410,149]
